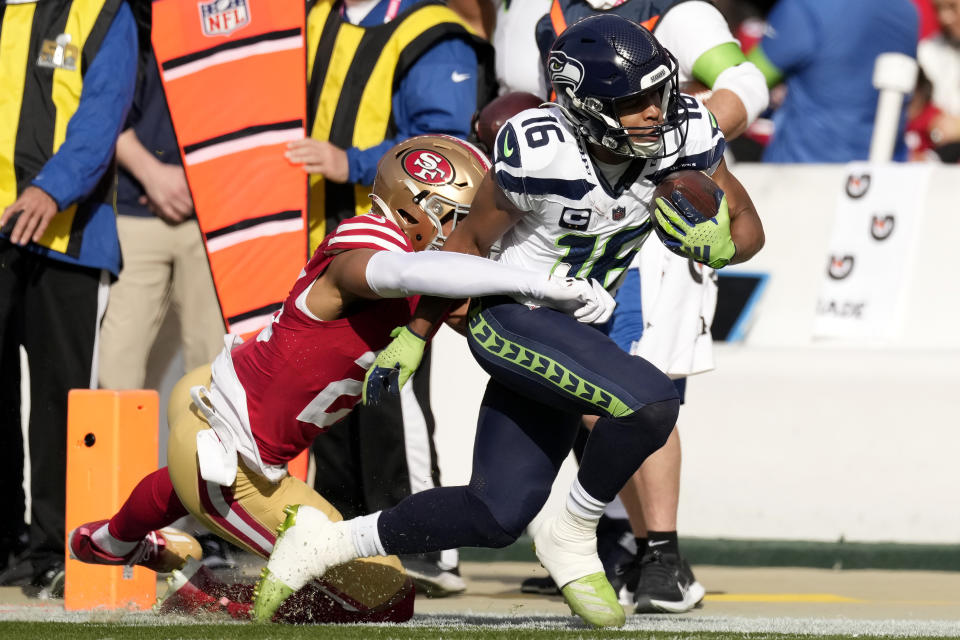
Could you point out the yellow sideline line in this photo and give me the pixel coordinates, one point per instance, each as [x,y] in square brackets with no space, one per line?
[779,597]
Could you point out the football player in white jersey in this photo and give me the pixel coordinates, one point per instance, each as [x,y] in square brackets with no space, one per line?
[665,305]
[570,193]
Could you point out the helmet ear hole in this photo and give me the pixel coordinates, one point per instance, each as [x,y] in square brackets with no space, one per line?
[409,219]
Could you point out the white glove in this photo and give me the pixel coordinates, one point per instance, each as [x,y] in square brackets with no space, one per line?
[585,299]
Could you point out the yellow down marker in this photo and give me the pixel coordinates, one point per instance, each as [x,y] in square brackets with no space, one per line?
[779,597]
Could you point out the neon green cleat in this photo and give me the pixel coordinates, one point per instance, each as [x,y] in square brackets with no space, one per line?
[308,545]
[593,599]
[269,592]
[566,545]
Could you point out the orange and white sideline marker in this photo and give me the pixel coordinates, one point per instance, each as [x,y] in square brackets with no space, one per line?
[111,444]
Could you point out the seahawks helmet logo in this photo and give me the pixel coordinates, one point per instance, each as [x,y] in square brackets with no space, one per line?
[564,70]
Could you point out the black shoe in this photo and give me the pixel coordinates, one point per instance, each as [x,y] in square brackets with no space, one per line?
[542,586]
[12,547]
[50,580]
[666,585]
[626,576]
[19,572]
[216,552]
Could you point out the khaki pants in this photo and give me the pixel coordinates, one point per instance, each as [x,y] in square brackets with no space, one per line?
[164,267]
[249,512]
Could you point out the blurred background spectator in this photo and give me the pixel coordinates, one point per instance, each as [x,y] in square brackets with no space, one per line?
[58,239]
[827,66]
[165,265]
[934,130]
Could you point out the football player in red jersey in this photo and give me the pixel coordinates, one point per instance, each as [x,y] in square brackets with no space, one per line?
[236,423]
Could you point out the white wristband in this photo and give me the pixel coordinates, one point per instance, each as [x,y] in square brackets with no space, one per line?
[748,83]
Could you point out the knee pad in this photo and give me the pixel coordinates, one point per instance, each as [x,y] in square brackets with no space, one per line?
[656,420]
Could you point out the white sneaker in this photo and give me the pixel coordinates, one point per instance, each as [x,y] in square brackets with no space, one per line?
[432,578]
[308,545]
[566,546]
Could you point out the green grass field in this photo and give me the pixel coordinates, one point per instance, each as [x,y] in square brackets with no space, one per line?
[107,631]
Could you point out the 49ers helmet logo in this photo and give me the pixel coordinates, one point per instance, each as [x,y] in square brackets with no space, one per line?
[428,167]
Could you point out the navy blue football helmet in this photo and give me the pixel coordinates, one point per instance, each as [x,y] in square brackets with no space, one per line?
[599,67]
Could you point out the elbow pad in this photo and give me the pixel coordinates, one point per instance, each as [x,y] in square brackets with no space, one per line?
[748,83]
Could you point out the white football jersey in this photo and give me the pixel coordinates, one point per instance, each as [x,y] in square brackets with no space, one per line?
[576,224]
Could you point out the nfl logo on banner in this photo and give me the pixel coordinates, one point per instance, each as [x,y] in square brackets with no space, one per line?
[222,17]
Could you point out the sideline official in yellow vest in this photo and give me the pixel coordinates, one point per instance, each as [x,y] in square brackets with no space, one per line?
[380,72]
[67,73]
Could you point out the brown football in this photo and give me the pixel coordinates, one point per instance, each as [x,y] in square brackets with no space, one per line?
[696,186]
[498,111]
[696,88]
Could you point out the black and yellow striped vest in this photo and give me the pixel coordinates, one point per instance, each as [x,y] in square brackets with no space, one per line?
[46,48]
[352,73]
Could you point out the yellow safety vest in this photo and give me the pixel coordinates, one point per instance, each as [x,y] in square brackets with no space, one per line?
[355,111]
[45,50]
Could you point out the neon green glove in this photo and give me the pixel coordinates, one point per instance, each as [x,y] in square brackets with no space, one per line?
[690,234]
[393,366]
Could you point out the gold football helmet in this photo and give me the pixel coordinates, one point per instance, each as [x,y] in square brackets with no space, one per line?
[426,181]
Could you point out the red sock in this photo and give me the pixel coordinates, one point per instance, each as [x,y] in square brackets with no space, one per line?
[153,504]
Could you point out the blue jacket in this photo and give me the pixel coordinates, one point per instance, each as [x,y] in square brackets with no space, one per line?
[87,152]
[438,95]
[826,52]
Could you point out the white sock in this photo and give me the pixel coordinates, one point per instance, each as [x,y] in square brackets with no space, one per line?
[102,538]
[366,538]
[582,504]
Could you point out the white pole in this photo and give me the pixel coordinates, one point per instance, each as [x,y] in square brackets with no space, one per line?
[894,75]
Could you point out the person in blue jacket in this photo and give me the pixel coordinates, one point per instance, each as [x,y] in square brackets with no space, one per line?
[64,105]
[825,53]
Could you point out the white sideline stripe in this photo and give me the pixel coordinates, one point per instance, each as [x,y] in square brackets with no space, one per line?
[256,49]
[224,510]
[242,144]
[271,228]
[250,324]
[366,226]
[380,242]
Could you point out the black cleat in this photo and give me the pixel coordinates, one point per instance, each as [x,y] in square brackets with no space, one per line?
[666,584]
[542,586]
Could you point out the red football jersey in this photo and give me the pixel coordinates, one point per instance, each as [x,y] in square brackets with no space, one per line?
[302,374]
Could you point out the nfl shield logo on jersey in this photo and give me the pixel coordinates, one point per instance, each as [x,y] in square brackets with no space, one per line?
[222,17]
[619,213]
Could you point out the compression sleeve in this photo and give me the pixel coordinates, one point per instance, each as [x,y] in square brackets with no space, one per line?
[447,274]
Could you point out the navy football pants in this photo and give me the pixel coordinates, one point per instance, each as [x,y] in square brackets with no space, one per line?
[547,370]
